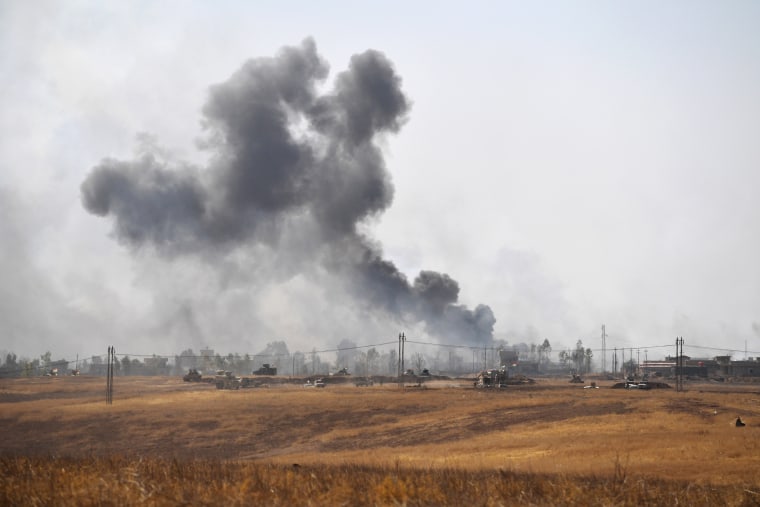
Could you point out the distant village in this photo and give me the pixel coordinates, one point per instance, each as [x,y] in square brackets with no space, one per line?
[718,368]
[533,361]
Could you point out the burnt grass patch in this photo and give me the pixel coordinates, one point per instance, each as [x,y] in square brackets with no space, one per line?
[449,429]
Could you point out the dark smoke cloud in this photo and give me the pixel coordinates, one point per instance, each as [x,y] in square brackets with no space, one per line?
[149,203]
[437,291]
[288,162]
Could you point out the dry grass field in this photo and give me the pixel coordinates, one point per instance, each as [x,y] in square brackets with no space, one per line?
[444,444]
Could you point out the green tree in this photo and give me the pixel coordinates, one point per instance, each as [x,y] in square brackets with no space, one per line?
[418,361]
[346,355]
[184,361]
[276,354]
[298,364]
[11,367]
[245,363]
[126,365]
[316,364]
[579,357]
[372,358]
[361,366]
[31,367]
[543,352]
[392,362]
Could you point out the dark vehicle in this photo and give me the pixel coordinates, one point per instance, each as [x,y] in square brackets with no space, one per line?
[266,369]
[490,379]
[193,376]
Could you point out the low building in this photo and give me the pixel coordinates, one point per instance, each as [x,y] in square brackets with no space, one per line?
[658,368]
[745,368]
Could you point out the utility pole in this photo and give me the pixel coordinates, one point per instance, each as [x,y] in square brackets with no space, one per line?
[398,359]
[403,345]
[622,363]
[401,342]
[109,374]
[679,364]
[604,349]
[630,360]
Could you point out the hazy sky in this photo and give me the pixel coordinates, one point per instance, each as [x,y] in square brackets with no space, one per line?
[569,164]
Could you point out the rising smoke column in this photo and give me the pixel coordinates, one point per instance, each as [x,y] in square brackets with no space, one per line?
[287,161]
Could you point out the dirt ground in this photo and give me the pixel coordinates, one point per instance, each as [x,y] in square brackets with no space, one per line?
[552,426]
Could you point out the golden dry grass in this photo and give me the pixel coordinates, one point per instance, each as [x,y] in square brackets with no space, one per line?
[157,482]
[554,432]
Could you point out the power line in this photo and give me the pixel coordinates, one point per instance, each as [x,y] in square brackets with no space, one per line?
[446,345]
[26,367]
[276,354]
[723,349]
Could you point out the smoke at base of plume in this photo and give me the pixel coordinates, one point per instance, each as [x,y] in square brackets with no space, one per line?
[287,160]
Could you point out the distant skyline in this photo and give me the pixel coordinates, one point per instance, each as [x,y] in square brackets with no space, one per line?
[566,164]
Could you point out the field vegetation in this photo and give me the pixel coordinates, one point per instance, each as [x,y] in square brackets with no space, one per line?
[166,442]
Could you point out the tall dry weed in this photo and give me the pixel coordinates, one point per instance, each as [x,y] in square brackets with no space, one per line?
[156,482]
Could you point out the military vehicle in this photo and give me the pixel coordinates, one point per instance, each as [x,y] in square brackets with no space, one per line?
[266,369]
[227,380]
[193,376]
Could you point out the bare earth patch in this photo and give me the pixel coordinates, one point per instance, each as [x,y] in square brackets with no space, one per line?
[551,427]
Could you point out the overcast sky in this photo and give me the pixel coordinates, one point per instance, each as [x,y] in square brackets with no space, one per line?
[569,164]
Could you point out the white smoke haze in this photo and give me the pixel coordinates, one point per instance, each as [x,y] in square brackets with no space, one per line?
[553,168]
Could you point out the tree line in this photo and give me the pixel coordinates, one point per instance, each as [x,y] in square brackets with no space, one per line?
[347,356]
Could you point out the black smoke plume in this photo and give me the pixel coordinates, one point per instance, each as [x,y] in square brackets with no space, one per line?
[288,162]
